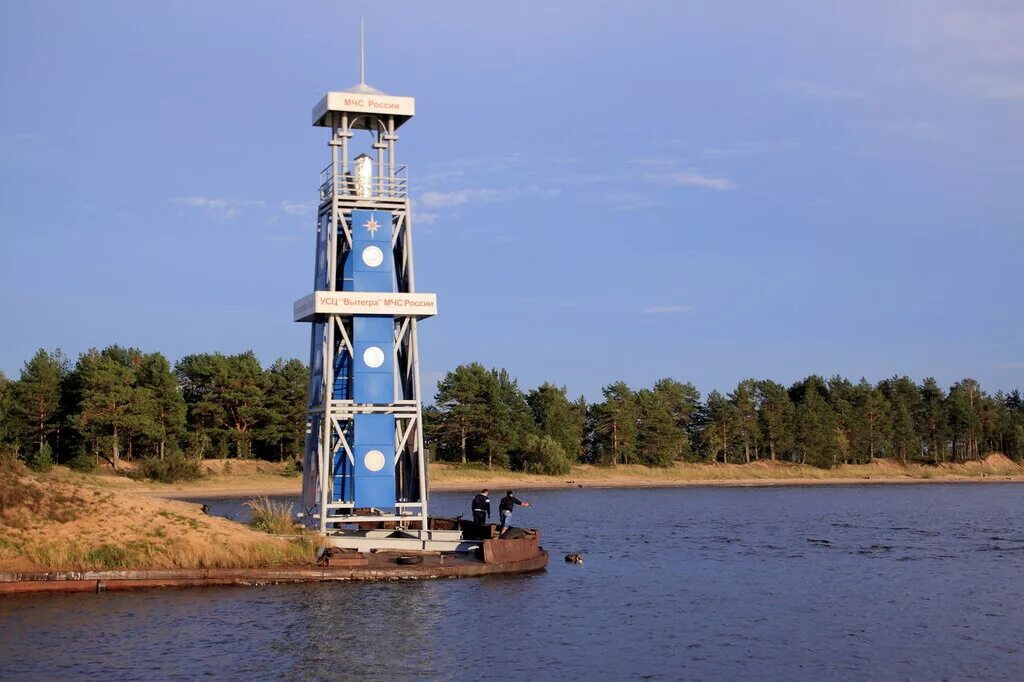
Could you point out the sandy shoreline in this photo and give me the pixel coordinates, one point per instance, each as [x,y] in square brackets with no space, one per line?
[250,478]
[497,483]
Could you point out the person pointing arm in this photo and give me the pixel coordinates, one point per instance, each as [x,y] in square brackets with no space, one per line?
[507,504]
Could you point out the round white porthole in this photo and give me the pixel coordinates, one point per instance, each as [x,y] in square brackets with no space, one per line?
[373,256]
[374,460]
[373,357]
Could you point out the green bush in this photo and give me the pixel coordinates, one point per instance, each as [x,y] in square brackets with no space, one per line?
[82,462]
[42,459]
[291,469]
[108,556]
[543,455]
[170,469]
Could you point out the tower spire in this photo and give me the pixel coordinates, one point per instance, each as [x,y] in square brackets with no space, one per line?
[362,53]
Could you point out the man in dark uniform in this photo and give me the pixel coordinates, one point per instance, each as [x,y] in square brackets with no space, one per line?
[505,507]
[481,507]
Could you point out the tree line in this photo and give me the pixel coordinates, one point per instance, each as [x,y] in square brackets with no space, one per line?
[121,403]
[481,415]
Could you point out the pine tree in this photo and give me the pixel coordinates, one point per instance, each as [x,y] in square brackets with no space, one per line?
[962,408]
[682,400]
[904,404]
[614,422]
[870,424]
[226,397]
[164,407]
[283,430]
[8,436]
[775,414]
[1014,403]
[932,421]
[816,430]
[198,376]
[719,433]
[463,401]
[508,420]
[37,395]
[841,395]
[558,418]
[657,438]
[748,432]
[107,398]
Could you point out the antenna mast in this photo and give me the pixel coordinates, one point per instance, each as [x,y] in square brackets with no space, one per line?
[362,54]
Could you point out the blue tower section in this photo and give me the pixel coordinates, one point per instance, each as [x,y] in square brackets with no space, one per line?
[367,376]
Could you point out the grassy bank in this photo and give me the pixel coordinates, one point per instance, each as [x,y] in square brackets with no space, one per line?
[48,522]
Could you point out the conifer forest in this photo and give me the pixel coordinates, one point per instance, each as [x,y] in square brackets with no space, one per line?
[121,403]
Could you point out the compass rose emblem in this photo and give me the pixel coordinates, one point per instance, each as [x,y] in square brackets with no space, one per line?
[372,226]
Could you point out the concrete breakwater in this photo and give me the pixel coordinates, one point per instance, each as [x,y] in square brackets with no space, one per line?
[379,567]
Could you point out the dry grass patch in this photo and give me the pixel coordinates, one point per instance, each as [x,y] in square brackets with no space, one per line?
[271,517]
[49,524]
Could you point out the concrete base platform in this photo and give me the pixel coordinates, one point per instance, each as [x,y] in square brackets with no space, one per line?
[380,566]
[401,540]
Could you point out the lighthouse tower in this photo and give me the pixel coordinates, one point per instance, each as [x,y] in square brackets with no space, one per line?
[364,447]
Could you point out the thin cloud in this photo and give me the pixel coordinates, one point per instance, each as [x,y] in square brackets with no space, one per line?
[635,202]
[987,34]
[298,207]
[221,207]
[996,86]
[426,218]
[654,163]
[745,149]
[460,197]
[694,179]
[1013,365]
[919,129]
[666,309]
[625,201]
[826,92]
[971,49]
[479,195]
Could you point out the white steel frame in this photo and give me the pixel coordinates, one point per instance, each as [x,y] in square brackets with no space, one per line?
[388,192]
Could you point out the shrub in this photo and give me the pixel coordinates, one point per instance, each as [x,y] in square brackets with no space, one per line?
[270,516]
[170,469]
[108,556]
[9,460]
[42,459]
[82,462]
[543,455]
[292,469]
[196,444]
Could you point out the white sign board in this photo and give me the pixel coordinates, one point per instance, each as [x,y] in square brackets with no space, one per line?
[364,303]
[363,103]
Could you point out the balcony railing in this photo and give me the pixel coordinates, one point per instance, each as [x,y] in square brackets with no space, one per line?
[356,187]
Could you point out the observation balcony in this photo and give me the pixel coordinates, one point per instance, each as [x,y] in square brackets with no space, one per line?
[357,188]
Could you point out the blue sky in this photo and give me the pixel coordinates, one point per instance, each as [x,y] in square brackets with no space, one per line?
[602,190]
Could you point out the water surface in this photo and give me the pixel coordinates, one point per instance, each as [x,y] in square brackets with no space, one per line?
[887,581]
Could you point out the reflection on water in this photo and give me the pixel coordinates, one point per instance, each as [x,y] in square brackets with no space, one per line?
[887,581]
